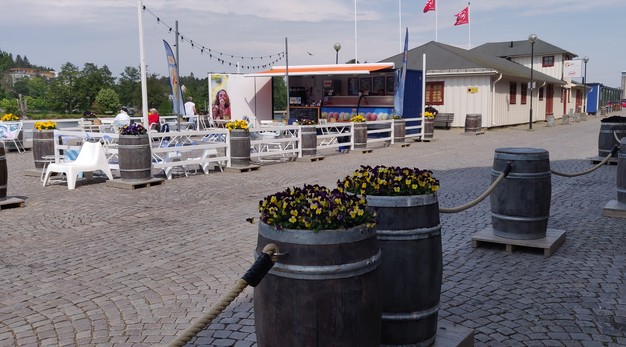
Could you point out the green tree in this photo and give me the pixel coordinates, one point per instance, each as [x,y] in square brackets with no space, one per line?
[91,80]
[128,85]
[63,90]
[280,93]
[106,100]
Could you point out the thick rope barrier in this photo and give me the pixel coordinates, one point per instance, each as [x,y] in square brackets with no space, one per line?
[503,174]
[599,165]
[617,138]
[253,277]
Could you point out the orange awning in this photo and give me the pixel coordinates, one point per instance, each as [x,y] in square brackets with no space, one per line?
[337,69]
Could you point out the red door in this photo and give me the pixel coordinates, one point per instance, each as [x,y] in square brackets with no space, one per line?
[564,99]
[550,99]
[579,100]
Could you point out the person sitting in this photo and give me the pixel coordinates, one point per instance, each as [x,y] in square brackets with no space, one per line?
[431,109]
[121,119]
[153,118]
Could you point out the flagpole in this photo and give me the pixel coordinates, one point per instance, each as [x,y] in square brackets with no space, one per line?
[142,60]
[356,60]
[400,22]
[469,27]
[436,22]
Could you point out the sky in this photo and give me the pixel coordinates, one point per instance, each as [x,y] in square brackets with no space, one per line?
[106,32]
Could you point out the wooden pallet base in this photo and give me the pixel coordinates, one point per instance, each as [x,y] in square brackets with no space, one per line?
[615,208]
[553,240]
[424,140]
[401,145]
[474,133]
[309,158]
[598,160]
[449,335]
[119,183]
[241,168]
[11,202]
[361,150]
[32,172]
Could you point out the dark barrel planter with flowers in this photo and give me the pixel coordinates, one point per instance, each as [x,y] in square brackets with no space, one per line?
[429,128]
[360,135]
[308,134]
[324,289]
[240,147]
[621,172]
[409,236]
[606,138]
[43,145]
[3,172]
[135,157]
[399,130]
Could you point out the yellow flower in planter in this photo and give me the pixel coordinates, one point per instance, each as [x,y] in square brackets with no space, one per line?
[429,115]
[237,124]
[357,119]
[9,117]
[45,125]
[389,181]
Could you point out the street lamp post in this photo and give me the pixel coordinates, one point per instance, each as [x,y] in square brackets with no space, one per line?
[532,38]
[337,48]
[585,60]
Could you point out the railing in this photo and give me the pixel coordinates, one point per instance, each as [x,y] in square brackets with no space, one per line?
[270,143]
[382,127]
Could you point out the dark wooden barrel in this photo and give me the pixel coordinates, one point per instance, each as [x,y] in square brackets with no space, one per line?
[520,204]
[399,130]
[473,123]
[308,135]
[429,128]
[323,292]
[606,139]
[360,135]
[4,174]
[409,237]
[621,172]
[43,145]
[240,147]
[135,157]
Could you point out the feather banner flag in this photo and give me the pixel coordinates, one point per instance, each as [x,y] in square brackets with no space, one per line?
[462,17]
[177,93]
[430,6]
[398,100]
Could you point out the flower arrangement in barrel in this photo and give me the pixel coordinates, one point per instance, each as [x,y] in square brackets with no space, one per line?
[315,207]
[358,119]
[429,115]
[306,121]
[133,129]
[237,124]
[389,181]
[9,117]
[45,125]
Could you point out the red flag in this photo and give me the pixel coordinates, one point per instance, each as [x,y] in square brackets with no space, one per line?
[430,6]
[462,17]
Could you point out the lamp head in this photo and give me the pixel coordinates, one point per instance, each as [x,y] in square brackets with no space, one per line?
[532,38]
[337,46]
[586,59]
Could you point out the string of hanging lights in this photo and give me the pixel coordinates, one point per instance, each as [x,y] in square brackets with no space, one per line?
[222,57]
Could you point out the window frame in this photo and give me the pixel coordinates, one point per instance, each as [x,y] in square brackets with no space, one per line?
[429,92]
[547,61]
[523,93]
[512,93]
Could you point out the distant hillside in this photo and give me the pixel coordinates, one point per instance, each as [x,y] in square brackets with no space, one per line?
[7,62]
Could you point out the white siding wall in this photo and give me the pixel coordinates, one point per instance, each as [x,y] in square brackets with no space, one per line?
[555,71]
[459,101]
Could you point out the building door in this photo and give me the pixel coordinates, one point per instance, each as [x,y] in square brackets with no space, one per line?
[564,99]
[579,101]
[550,99]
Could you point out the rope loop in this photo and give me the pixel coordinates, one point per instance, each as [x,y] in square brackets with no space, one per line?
[599,165]
[507,169]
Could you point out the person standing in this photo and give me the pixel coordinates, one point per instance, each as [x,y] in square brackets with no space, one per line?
[190,110]
[121,119]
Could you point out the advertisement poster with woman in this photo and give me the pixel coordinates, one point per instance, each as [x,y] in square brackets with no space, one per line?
[218,96]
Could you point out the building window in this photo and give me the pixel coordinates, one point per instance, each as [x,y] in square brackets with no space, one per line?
[523,91]
[541,94]
[434,93]
[512,93]
[547,61]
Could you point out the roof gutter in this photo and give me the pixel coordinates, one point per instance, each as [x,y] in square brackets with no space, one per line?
[493,99]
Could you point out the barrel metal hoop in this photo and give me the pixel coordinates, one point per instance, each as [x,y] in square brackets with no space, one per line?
[327,272]
[121,147]
[136,170]
[520,219]
[621,190]
[310,237]
[417,315]
[410,234]
[401,201]
[528,175]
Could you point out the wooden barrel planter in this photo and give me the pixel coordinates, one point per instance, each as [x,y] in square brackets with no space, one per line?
[399,130]
[360,135]
[606,139]
[308,135]
[4,174]
[240,147]
[409,237]
[135,157]
[520,204]
[621,172]
[323,292]
[473,123]
[43,145]
[429,128]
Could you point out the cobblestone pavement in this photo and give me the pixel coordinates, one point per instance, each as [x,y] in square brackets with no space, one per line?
[102,266]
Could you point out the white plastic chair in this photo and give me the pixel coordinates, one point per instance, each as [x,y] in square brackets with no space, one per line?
[10,132]
[91,158]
